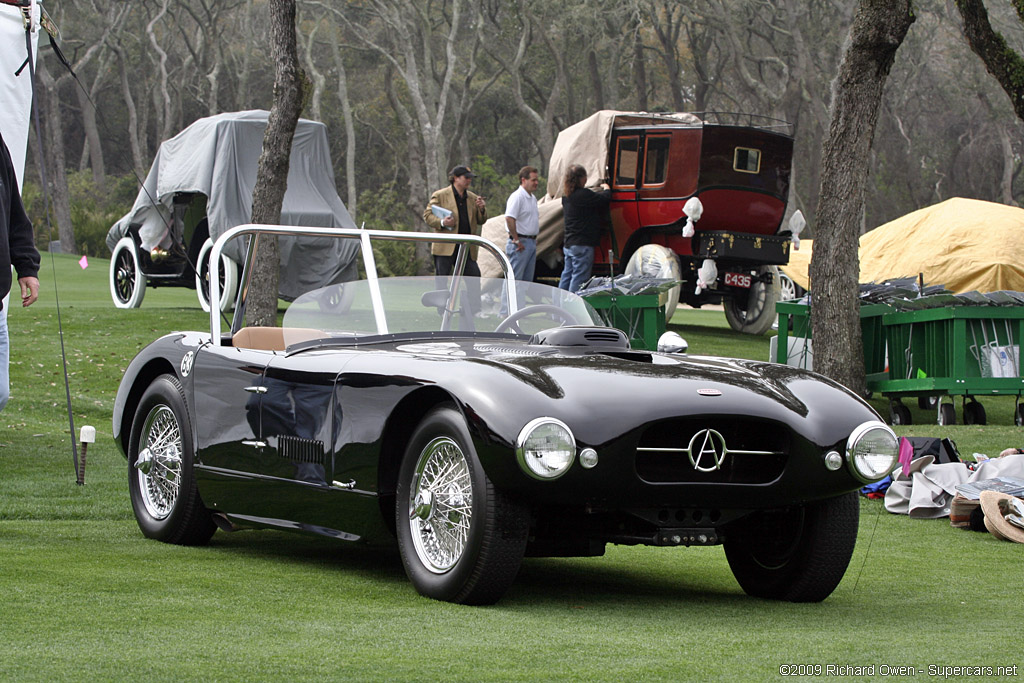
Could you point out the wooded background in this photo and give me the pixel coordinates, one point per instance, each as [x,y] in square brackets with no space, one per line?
[409,88]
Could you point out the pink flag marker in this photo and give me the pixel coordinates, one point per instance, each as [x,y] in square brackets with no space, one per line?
[84,262]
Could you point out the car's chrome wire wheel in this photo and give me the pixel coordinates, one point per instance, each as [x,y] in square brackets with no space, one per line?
[159,462]
[441,505]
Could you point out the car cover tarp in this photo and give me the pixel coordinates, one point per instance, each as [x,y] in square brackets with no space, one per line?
[584,143]
[965,244]
[218,156]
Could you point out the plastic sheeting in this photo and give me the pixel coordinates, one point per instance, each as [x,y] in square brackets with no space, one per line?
[218,157]
[16,88]
[965,244]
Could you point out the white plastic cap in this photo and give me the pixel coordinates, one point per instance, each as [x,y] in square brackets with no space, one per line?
[88,434]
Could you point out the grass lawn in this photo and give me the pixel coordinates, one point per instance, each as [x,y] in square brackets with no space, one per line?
[83,596]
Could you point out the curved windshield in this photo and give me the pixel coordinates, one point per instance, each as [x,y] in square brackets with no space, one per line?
[428,304]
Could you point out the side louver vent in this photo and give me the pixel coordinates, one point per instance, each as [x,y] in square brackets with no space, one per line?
[297,449]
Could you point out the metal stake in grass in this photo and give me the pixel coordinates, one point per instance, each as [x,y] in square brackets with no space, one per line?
[86,437]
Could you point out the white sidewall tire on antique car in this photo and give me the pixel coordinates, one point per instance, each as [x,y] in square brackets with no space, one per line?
[161,478]
[229,275]
[756,313]
[799,554]
[461,540]
[127,283]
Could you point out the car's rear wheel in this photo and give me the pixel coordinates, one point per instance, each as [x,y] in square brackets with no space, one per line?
[798,554]
[753,311]
[461,540]
[160,468]
[228,279]
[127,283]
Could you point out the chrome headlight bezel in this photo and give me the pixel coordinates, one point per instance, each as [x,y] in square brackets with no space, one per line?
[540,467]
[870,466]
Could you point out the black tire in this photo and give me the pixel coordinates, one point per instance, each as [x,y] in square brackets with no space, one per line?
[755,312]
[947,414]
[899,414]
[162,482]
[927,402]
[974,414]
[481,558]
[1018,415]
[798,554]
[228,279]
[127,282]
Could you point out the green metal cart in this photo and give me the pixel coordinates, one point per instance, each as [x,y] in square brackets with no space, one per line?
[965,351]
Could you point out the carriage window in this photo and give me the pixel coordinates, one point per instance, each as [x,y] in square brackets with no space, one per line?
[625,161]
[656,160]
[747,160]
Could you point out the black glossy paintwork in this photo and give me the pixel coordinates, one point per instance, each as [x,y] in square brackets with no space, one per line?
[346,397]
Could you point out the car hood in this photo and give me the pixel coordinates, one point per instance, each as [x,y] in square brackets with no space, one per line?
[614,390]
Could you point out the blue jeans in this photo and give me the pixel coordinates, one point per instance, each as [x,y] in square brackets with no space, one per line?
[523,262]
[579,261]
[5,356]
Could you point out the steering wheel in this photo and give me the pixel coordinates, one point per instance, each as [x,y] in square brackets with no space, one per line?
[560,315]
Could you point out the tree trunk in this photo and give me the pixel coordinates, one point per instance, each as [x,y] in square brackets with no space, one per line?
[134,142]
[57,174]
[350,128]
[1001,61]
[272,175]
[877,32]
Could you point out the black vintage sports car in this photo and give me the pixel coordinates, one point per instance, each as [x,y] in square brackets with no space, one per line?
[417,408]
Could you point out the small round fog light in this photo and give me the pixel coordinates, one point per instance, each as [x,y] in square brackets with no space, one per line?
[588,458]
[833,461]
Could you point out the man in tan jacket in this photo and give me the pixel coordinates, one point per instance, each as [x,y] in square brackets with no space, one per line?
[466,213]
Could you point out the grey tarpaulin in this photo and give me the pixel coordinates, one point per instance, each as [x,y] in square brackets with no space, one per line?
[217,156]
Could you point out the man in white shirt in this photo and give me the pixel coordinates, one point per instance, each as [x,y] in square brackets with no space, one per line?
[523,222]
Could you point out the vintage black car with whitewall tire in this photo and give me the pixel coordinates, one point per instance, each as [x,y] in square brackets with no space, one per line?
[481,422]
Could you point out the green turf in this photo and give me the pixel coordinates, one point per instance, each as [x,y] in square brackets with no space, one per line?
[83,596]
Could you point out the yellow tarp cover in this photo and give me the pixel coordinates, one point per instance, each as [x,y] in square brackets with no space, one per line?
[964,244]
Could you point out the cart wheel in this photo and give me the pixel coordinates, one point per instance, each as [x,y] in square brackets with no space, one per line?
[754,312]
[1018,416]
[127,283]
[927,402]
[974,414]
[899,414]
[947,414]
[228,279]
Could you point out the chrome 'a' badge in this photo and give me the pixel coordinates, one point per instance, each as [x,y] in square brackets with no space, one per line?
[709,392]
[707,450]
[186,363]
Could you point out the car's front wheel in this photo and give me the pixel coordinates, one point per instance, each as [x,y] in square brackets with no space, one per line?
[127,283]
[160,468]
[798,554]
[461,540]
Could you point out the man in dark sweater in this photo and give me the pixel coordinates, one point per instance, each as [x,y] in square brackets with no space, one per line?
[585,214]
[18,249]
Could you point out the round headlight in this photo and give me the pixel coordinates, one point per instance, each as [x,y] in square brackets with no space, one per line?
[872,451]
[545,448]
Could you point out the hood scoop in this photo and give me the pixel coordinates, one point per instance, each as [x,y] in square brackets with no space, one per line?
[607,338]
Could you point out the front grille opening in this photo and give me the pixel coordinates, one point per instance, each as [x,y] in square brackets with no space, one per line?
[756,452]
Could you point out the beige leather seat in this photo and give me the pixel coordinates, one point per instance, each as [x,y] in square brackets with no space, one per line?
[273,338]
